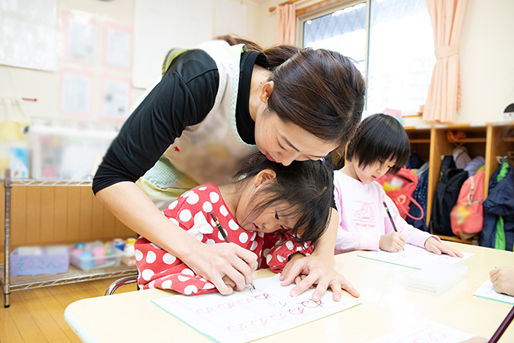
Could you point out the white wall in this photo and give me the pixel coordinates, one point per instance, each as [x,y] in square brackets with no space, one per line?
[487,60]
[487,56]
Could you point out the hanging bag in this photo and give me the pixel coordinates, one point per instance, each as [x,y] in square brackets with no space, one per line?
[400,187]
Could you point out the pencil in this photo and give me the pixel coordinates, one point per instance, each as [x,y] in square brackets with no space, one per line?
[390,217]
[220,228]
[503,326]
[223,233]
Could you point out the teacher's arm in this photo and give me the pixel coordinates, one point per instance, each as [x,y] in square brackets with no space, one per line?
[182,98]
[319,268]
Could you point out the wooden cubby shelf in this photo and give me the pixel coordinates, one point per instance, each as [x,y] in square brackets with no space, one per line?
[488,140]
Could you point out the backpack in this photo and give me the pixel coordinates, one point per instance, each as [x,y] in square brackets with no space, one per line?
[467,216]
[399,187]
[420,196]
[446,194]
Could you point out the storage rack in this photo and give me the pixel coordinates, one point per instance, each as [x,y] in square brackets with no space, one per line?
[21,282]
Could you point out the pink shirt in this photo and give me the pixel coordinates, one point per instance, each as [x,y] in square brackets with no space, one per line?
[363,218]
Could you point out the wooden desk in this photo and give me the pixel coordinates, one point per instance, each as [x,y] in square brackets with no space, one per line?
[386,304]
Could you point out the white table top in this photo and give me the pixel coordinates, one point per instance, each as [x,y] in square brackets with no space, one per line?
[387,304]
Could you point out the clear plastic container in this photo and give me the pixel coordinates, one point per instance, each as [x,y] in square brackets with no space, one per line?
[95,255]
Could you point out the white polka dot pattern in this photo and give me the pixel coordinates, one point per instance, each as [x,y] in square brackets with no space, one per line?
[166,284]
[207,206]
[223,210]
[157,268]
[185,215]
[208,285]
[150,257]
[193,198]
[173,205]
[168,258]
[138,255]
[187,271]
[214,197]
[233,225]
[243,237]
[190,290]
[147,274]
[183,278]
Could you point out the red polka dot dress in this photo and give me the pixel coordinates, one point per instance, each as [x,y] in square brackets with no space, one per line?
[159,269]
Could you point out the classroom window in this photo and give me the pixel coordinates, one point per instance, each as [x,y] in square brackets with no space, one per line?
[398,58]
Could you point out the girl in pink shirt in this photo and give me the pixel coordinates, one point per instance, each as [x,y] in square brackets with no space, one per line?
[272,210]
[380,145]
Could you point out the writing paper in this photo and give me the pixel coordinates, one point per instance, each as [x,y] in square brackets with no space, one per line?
[412,257]
[487,291]
[426,332]
[251,314]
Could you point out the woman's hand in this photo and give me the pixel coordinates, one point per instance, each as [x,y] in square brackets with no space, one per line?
[434,245]
[503,280]
[223,261]
[392,242]
[307,271]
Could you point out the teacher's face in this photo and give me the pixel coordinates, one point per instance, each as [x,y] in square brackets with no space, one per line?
[284,142]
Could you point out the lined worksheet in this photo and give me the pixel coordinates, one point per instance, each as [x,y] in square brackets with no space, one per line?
[487,291]
[412,257]
[251,313]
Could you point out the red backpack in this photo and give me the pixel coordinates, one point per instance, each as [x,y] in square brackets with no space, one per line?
[467,216]
[399,188]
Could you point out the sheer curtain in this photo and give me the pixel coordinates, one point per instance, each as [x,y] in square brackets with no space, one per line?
[443,100]
[286,24]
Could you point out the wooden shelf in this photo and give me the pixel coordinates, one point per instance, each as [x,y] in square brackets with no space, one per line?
[421,140]
[472,140]
[454,239]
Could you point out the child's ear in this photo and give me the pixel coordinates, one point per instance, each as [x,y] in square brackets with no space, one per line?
[264,176]
[266,90]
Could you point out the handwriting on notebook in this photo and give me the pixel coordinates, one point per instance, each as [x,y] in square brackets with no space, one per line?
[251,314]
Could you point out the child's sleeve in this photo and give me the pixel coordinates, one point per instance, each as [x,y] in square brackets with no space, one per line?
[357,240]
[414,236]
[278,256]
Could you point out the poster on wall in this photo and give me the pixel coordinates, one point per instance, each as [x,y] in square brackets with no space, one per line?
[118,46]
[115,98]
[27,26]
[76,93]
[79,29]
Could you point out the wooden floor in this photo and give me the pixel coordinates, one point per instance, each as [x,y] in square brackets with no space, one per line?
[37,315]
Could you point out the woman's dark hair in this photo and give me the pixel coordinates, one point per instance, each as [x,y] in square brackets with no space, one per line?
[380,137]
[307,186]
[319,90]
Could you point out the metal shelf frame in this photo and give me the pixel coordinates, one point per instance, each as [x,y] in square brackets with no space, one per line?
[22,282]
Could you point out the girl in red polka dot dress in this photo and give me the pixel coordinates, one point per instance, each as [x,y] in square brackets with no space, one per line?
[272,210]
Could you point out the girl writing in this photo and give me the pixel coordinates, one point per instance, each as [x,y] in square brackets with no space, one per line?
[214,105]
[272,210]
[380,145]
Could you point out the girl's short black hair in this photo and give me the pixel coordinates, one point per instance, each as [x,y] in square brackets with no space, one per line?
[380,137]
[306,185]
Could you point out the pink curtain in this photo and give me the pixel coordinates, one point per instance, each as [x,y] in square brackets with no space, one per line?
[286,24]
[444,95]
